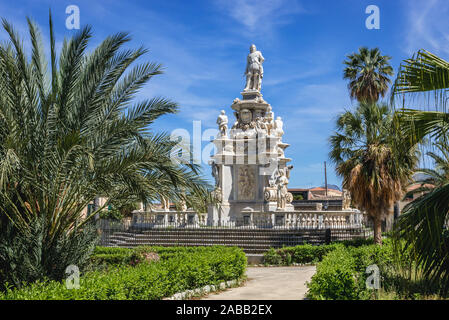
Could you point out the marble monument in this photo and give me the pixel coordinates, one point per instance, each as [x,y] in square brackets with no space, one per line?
[250,168]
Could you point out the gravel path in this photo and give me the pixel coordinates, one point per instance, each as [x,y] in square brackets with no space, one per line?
[270,283]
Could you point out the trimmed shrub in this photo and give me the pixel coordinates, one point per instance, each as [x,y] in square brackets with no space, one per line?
[308,253]
[342,273]
[335,277]
[301,254]
[191,269]
[357,242]
[114,256]
[273,257]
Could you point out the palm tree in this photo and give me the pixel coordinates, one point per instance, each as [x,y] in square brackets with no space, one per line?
[439,175]
[70,134]
[368,72]
[424,222]
[373,162]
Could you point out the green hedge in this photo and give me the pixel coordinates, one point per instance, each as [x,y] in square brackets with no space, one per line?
[115,256]
[307,253]
[181,269]
[341,275]
[302,254]
[334,278]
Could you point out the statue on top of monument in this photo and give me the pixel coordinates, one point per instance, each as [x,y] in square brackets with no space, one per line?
[222,122]
[254,70]
[346,205]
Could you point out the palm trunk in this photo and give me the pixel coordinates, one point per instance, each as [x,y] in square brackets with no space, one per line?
[378,231]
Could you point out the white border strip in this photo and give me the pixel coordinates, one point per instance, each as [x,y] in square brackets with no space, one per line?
[205,290]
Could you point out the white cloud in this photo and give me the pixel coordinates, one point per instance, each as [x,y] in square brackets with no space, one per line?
[260,16]
[321,102]
[427,26]
[296,76]
[184,81]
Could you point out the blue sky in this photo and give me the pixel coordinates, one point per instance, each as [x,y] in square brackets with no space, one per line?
[203,47]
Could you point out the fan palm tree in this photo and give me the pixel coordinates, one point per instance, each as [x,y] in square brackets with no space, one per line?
[368,72]
[72,133]
[373,162]
[424,222]
[439,175]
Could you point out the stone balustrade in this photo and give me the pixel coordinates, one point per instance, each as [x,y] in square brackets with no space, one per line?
[309,219]
[276,219]
[333,220]
[169,218]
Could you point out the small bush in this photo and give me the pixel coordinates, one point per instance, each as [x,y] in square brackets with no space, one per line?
[342,275]
[308,253]
[112,214]
[335,277]
[357,242]
[301,254]
[272,257]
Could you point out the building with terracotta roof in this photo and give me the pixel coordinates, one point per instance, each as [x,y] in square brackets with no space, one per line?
[315,199]
[419,190]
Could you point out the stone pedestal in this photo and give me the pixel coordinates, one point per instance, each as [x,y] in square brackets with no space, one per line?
[250,167]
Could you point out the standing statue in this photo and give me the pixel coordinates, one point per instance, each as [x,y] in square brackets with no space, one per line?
[165,202]
[346,200]
[222,122]
[182,205]
[278,127]
[269,118]
[282,183]
[260,123]
[254,70]
[287,170]
[215,172]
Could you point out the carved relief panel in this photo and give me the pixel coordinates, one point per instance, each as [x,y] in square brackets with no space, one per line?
[246,182]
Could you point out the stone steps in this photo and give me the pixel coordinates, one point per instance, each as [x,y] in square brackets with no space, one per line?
[255,241]
[219,236]
[253,249]
[186,237]
[236,242]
